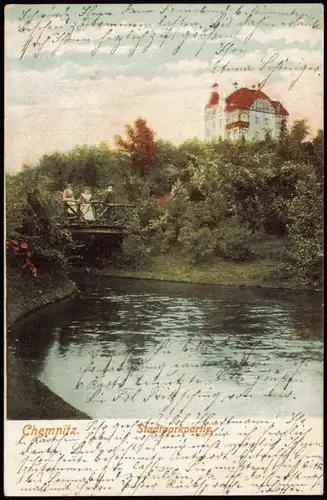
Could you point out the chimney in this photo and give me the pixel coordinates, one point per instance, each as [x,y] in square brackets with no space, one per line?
[235,85]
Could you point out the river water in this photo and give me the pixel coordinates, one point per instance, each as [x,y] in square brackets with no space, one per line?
[134,348]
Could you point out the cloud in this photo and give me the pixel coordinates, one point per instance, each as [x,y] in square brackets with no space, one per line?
[185,65]
[256,58]
[300,34]
[304,100]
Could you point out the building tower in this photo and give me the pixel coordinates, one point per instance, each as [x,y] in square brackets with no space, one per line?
[214,116]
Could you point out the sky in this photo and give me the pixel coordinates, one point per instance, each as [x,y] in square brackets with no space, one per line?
[77,73]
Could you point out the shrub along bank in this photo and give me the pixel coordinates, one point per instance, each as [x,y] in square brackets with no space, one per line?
[36,275]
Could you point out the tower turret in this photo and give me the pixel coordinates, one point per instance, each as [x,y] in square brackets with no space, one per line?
[214,98]
[214,119]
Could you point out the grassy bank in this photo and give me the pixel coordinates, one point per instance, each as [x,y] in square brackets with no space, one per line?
[28,398]
[25,294]
[171,267]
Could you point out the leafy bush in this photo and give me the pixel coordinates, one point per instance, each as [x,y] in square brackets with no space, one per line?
[32,212]
[197,245]
[163,240]
[306,228]
[234,242]
[147,210]
[22,254]
[134,252]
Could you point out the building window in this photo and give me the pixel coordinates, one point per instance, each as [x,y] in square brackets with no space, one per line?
[257,120]
[257,135]
[213,124]
[266,121]
[277,124]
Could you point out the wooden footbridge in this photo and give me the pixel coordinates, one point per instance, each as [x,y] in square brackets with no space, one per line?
[97,217]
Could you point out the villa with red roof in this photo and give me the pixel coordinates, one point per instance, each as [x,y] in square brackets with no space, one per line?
[247,112]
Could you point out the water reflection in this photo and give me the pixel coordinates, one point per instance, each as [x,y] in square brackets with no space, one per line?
[32,338]
[213,337]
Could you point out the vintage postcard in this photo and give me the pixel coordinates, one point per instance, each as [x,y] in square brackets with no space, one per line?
[164,249]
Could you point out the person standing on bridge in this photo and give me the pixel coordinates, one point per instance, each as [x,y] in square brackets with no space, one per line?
[69,199]
[108,198]
[109,195]
[86,207]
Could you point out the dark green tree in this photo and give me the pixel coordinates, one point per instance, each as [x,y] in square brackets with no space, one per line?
[299,131]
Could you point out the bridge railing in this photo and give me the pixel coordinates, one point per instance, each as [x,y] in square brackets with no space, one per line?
[97,213]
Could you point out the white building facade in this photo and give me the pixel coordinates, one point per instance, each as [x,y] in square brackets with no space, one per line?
[245,112]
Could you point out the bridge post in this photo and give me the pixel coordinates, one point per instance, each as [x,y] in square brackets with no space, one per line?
[79,212]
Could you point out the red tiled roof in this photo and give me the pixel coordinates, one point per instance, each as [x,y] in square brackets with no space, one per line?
[214,99]
[244,98]
[282,110]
